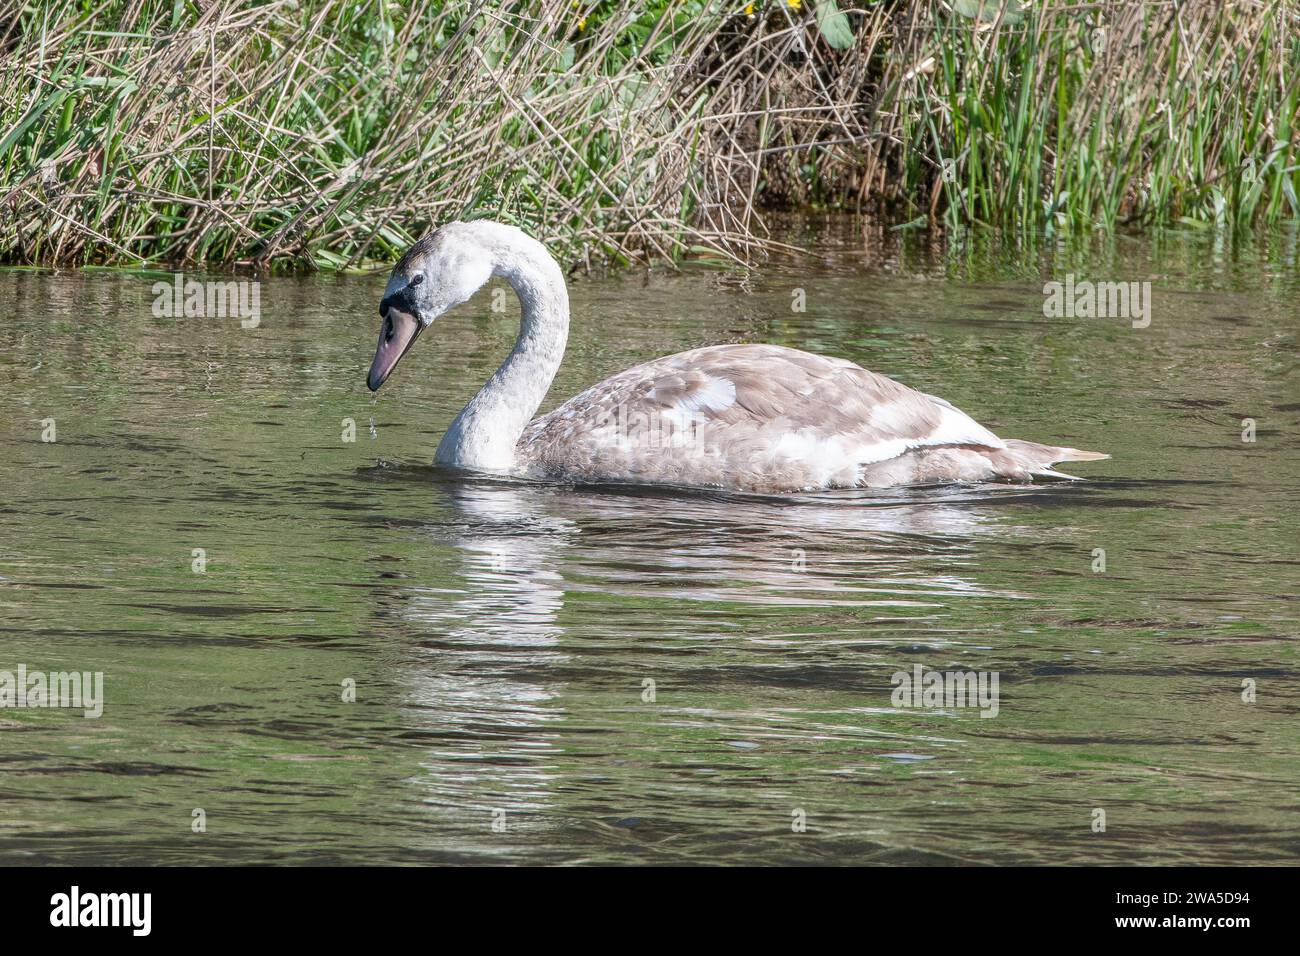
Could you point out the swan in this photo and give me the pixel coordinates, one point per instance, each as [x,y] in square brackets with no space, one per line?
[752,418]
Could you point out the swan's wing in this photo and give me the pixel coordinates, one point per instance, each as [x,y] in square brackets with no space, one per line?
[758,416]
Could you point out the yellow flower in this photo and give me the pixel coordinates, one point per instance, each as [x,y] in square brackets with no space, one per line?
[749,9]
[582,24]
[795,4]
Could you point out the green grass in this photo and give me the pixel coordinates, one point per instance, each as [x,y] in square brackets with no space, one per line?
[1117,115]
[324,134]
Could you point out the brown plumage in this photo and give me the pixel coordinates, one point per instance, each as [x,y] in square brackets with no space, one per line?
[765,418]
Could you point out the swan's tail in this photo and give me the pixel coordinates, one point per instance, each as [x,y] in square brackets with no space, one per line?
[1036,459]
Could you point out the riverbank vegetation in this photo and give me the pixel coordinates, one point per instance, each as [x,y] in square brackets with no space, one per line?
[330,134]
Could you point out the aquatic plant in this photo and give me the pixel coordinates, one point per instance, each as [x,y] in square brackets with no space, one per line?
[327,134]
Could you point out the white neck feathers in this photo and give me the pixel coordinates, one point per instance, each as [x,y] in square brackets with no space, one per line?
[483,436]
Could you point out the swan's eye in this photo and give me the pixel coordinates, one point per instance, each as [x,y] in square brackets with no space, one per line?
[417,278]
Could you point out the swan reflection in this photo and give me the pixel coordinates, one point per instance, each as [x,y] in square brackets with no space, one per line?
[496,694]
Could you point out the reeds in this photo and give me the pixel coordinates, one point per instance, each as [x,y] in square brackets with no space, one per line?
[330,134]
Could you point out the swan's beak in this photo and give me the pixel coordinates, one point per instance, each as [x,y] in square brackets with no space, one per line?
[396,336]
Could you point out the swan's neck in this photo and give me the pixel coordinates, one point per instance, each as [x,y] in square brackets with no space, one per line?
[484,434]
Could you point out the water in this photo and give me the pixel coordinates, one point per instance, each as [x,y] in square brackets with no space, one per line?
[500,636]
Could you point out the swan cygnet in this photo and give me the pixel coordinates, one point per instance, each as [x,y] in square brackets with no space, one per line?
[754,418]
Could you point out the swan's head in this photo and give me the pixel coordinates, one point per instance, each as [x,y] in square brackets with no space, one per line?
[442,270]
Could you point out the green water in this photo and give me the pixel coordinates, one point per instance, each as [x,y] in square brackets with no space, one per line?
[500,636]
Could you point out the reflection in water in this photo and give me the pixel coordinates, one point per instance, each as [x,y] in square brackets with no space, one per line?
[492,693]
[854,549]
[639,675]
[510,550]
[506,609]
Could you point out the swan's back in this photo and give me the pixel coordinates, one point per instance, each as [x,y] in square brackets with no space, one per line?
[764,418]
